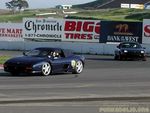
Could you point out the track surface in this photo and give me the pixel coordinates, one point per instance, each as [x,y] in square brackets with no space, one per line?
[102,77]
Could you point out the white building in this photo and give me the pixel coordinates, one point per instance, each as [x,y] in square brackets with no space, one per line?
[64,6]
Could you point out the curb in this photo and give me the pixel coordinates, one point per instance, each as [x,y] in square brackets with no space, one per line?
[40,100]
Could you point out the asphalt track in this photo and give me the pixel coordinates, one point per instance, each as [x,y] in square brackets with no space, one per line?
[102,79]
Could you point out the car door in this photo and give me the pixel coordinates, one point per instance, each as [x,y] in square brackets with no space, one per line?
[63,62]
[67,58]
[59,61]
[57,64]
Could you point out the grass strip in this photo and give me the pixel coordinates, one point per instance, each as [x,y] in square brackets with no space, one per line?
[3,58]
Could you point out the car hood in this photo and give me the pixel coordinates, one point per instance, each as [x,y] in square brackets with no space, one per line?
[26,60]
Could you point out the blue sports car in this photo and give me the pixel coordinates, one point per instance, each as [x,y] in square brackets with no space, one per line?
[130,50]
[45,61]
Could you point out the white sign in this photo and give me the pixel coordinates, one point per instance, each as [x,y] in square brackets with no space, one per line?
[81,30]
[125,5]
[11,32]
[146,31]
[137,6]
[42,28]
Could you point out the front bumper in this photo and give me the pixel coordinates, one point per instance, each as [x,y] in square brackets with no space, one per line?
[20,69]
[135,55]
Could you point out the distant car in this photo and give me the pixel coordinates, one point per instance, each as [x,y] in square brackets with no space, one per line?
[130,50]
[45,61]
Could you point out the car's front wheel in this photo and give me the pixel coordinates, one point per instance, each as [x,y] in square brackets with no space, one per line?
[144,59]
[120,57]
[46,69]
[116,57]
[78,67]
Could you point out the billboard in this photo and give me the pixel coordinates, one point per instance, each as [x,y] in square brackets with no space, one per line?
[146,31]
[42,28]
[11,32]
[115,31]
[81,30]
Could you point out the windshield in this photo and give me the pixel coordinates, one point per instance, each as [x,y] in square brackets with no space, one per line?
[130,45]
[37,53]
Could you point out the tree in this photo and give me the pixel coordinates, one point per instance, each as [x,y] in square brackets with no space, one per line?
[17,4]
[22,4]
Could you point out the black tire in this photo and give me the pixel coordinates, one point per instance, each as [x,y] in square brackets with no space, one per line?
[46,69]
[116,57]
[78,67]
[144,59]
[120,57]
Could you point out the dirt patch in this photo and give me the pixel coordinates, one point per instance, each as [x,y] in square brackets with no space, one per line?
[4,11]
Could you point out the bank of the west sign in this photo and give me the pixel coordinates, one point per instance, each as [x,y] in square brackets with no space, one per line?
[112,31]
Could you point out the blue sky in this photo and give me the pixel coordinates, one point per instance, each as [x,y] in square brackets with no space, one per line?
[46,3]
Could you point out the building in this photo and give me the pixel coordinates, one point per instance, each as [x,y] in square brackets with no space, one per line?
[64,6]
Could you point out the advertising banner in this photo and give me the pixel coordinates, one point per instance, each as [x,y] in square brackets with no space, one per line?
[146,31]
[114,31]
[137,6]
[43,28]
[125,5]
[81,30]
[11,32]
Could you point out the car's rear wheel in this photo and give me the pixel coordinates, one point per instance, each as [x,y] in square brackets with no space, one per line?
[78,67]
[46,69]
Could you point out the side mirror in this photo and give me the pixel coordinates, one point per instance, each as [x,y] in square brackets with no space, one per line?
[49,56]
[144,47]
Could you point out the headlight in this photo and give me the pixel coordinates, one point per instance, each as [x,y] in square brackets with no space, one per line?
[142,51]
[73,63]
[125,51]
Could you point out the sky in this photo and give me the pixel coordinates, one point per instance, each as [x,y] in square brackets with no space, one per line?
[46,3]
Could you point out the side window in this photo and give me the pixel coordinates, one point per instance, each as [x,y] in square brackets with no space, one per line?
[123,46]
[62,54]
[58,54]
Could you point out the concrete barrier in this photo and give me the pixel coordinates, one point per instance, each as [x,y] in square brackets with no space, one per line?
[78,47]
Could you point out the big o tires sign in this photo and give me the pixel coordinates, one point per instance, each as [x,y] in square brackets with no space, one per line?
[81,30]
